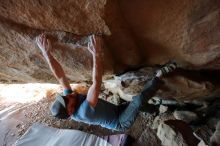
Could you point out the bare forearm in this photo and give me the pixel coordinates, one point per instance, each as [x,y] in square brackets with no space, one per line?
[97,70]
[57,70]
[94,90]
[45,46]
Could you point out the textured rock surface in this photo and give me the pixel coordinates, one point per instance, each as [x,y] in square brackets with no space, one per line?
[185,31]
[148,137]
[163,109]
[203,134]
[22,61]
[21,21]
[186,116]
[178,87]
[215,140]
[142,33]
[176,133]
[129,84]
[75,16]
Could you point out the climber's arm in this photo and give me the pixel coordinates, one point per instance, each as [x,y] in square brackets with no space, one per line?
[95,48]
[45,46]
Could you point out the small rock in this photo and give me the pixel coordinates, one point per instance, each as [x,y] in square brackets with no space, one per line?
[57,123]
[203,133]
[186,116]
[12,134]
[44,120]
[163,109]
[215,139]
[148,138]
[176,133]
[161,118]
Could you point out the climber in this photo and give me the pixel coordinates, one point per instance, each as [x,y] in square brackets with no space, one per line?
[91,109]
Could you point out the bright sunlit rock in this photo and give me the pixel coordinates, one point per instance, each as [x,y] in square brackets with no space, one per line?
[23,93]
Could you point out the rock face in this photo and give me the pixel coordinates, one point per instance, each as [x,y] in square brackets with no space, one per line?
[215,138]
[129,84]
[176,133]
[22,21]
[22,61]
[176,87]
[185,31]
[203,134]
[157,32]
[75,16]
[186,116]
[148,137]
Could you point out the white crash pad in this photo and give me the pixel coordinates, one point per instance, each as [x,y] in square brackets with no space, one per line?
[41,135]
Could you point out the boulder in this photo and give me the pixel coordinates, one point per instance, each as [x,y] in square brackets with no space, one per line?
[203,134]
[176,87]
[185,31]
[176,133]
[215,139]
[148,137]
[202,143]
[161,118]
[163,109]
[22,61]
[75,16]
[186,116]
[129,84]
[158,31]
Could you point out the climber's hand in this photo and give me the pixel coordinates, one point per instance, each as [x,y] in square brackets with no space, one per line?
[43,43]
[95,45]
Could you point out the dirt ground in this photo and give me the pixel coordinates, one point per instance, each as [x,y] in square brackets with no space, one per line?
[16,118]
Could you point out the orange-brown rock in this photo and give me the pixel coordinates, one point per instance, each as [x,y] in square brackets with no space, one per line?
[136,33]
[187,31]
[75,16]
[22,61]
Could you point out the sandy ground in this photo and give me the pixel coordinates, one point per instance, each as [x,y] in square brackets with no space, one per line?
[16,118]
